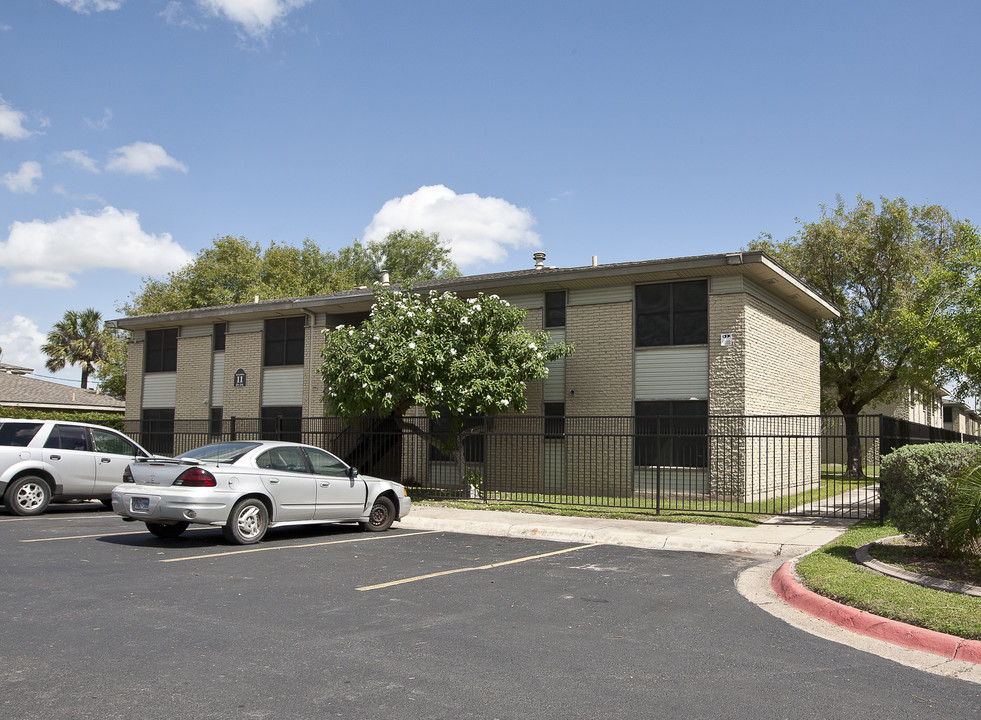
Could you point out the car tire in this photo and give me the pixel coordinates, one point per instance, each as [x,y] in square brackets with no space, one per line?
[106,502]
[381,517]
[168,532]
[27,495]
[247,522]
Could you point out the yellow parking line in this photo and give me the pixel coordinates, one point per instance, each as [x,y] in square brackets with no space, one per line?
[480,567]
[265,548]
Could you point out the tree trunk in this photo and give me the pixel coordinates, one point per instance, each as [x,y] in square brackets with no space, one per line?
[855,465]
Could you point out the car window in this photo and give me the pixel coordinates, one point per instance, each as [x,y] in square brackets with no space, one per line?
[110,442]
[18,434]
[283,459]
[220,452]
[326,464]
[68,437]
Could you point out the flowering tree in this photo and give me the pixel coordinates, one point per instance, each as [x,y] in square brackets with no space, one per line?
[453,358]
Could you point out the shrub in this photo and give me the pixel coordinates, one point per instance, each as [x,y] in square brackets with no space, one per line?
[917,485]
[110,420]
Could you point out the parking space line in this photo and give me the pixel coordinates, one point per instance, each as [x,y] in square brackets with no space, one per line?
[491,566]
[266,548]
[80,537]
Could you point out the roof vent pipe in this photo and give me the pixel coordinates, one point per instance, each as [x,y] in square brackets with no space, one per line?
[595,260]
[539,260]
[386,280]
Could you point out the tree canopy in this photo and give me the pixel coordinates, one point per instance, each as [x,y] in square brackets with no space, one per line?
[906,281]
[234,270]
[453,358]
[79,338]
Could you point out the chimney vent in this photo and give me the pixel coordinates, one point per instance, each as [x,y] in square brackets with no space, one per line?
[539,260]
[386,280]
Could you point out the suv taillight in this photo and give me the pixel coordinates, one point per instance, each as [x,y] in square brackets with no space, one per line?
[128,475]
[196,477]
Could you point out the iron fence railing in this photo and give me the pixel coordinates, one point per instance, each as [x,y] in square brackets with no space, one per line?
[765,465]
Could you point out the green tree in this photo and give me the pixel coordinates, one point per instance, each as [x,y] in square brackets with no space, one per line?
[439,352]
[906,281]
[406,256]
[111,373]
[77,339]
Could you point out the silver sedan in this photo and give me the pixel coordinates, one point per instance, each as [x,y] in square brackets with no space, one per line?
[250,486]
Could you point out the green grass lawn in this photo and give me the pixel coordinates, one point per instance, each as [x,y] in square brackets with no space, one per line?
[832,572]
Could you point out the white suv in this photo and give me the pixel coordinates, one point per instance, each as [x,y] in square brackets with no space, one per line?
[44,460]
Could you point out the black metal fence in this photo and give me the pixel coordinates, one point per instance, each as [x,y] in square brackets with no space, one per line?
[766,465]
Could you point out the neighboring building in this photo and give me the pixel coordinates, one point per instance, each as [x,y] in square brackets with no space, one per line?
[719,335]
[19,390]
[959,418]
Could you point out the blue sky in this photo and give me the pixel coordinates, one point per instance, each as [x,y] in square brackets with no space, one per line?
[133,132]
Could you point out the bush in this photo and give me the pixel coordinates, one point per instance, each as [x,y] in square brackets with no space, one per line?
[917,484]
[109,420]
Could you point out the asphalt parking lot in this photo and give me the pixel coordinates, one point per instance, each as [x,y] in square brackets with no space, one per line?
[103,620]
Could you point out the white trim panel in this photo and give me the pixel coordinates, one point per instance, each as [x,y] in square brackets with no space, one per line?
[160,390]
[282,386]
[218,380]
[671,373]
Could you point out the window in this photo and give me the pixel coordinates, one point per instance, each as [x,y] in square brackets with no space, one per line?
[325,464]
[284,341]
[442,429]
[157,430]
[554,421]
[217,416]
[15,434]
[160,351]
[672,314]
[218,336]
[555,309]
[283,459]
[282,423]
[68,437]
[110,442]
[671,433]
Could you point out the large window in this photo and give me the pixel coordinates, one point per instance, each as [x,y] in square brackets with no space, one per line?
[555,309]
[218,332]
[671,433]
[672,314]
[282,423]
[157,431]
[473,443]
[160,351]
[554,420]
[284,341]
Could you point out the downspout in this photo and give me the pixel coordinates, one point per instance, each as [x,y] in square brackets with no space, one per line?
[307,362]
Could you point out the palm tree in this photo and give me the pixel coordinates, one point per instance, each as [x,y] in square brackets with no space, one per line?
[77,339]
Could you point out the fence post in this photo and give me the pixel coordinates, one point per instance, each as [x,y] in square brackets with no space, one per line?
[231,428]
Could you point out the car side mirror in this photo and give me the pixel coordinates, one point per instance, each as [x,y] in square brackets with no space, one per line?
[352,472]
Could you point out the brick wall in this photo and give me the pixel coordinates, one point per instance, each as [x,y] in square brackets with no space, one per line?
[193,378]
[243,351]
[134,380]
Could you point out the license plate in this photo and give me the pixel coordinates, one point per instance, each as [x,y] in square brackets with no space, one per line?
[139,504]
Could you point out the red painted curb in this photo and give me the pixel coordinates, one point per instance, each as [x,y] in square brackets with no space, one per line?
[892,631]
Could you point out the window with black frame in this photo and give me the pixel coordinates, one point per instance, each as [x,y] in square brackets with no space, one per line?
[555,309]
[554,420]
[160,351]
[157,430]
[672,314]
[283,341]
[282,423]
[671,433]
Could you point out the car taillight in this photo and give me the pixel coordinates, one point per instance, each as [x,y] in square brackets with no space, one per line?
[128,475]
[196,477]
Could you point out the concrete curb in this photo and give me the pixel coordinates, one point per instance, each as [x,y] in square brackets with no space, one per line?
[898,633]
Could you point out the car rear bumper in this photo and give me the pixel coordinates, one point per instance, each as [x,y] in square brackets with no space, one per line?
[165,505]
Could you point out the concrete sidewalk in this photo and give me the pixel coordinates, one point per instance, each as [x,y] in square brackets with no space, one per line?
[782,537]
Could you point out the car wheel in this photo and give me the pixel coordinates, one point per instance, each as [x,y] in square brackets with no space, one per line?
[382,515]
[247,522]
[106,502]
[28,495]
[167,531]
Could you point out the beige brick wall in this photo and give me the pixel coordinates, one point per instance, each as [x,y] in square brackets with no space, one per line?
[134,380]
[727,365]
[243,351]
[313,381]
[193,378]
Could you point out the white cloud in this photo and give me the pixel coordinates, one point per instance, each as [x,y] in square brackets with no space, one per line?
[12,123]
[50,254]
[84,7]
[25,179]
[478,229]
[79,158]
[255,17]
[102,124]
[21,341]
[142,158]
